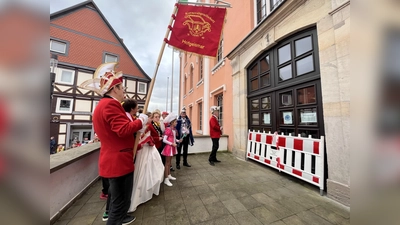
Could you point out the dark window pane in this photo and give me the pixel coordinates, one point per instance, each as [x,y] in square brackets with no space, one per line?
[286,132]
[266,118]
[264,63]
[284,54]
[265,80]
[255,104]
[266,103]
[306,95]
[286,99]
[253,71]
[255,119]
[285,73]
[305,133]
[287,117]
[254,84]
[304,65]
[303,45]
[308,116]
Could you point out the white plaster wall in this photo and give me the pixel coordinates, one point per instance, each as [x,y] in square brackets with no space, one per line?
[204,144]
[83,105]
[69,181]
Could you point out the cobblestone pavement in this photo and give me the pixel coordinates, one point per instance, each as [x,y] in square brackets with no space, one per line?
[232,192]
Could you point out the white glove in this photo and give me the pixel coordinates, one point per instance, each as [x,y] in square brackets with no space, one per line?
[143,129]
[144,118]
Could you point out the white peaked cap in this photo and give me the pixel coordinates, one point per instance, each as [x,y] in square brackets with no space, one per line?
[213,108]
[170,118]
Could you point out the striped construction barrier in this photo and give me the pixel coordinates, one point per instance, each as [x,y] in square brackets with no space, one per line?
[297,156]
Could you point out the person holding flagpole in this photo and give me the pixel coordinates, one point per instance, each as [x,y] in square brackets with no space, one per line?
[116,132]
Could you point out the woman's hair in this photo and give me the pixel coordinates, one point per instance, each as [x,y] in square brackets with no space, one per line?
[129,104]
[149,114]
[156,113]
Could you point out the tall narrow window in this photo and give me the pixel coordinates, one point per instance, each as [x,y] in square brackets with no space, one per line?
[200,115]
[190,112]
[261,10]
[200,68]
[220,99]
[184,85]
[191,78]
[220,49]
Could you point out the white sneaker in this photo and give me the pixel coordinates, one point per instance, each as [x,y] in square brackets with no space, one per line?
[166,181]
[171,177]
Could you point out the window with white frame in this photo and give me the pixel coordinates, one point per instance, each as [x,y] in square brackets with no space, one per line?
[64,105]
[142,88]
[65,76]
[200,105]
[200,68]
[110,58]
[95,103]
[58,46]
[261,10]
[220,48]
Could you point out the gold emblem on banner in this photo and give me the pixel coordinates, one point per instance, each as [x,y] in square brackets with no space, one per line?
[196,24]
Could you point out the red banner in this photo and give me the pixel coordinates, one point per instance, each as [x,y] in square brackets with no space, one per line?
[198,29]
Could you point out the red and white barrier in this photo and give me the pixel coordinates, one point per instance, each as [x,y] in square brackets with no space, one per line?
[298,156]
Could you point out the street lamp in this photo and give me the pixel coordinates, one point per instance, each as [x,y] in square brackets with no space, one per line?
[53,66]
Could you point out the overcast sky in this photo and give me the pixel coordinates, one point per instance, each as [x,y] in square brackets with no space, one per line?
[142,25]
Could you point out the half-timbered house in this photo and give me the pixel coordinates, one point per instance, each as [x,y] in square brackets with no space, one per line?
[82,38]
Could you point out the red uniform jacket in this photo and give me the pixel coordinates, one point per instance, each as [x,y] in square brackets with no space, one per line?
[215,129]
[115,131]
[156,133]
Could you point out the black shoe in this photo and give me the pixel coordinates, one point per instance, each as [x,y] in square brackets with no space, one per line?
[178,167]
[216,160]
[211,163]
[171,168]
[187,164]
[128,220]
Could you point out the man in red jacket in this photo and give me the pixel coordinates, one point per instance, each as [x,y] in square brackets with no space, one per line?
[215,134]
[116,133]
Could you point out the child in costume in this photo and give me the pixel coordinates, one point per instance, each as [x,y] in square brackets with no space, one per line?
[170,146]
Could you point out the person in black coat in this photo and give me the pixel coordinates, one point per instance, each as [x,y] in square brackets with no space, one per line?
[184,128]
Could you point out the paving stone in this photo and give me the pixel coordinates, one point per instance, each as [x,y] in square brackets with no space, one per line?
[192,201]
[83,220]
[83,199]
[249,202]
[172,194]
[62,222]
[153,210]
[174,205]
[246,218]
[224,195]
[208,198]
[280,194]
[198,214]
[188,192]
[71,212]
[224,220]
[278,210]
[310,218]
[90,209]
[292,205]
[217,209]
[234,206]
[159,220]
[337,208]
[263,198]
[279,222]
[327,214]
[198,182]
[177,217]
[293,220]
[202,189]
[263,215]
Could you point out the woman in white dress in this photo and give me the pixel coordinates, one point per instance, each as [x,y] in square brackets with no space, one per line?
[149,169]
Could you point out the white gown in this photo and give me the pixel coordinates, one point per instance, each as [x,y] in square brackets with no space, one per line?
[148,175]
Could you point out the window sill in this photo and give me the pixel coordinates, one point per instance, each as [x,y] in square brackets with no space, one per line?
[199,132]
[191,91]
[184,96]
[218,66]
[200,82]
[63,83]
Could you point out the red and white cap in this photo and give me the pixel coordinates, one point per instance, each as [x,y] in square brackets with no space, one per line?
[104,79]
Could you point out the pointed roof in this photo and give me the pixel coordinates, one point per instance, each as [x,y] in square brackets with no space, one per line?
[91,4]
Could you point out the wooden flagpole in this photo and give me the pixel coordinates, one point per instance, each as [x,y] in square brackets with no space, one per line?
[138,134]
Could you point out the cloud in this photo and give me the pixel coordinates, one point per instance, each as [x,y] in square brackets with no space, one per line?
[142,26]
